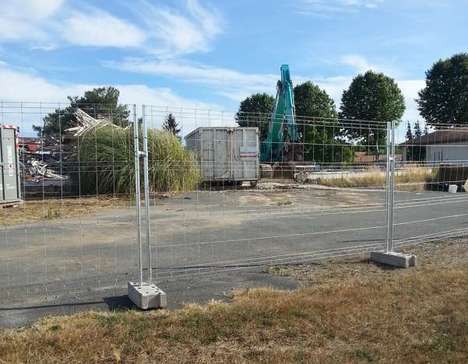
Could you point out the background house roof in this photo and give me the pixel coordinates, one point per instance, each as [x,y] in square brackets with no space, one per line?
[446,136]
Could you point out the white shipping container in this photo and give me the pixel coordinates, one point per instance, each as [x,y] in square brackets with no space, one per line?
[226,154]
[10,190]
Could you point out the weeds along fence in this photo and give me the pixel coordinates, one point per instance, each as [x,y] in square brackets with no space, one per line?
[335,188]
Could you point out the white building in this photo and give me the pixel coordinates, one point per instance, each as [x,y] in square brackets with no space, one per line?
[448,145]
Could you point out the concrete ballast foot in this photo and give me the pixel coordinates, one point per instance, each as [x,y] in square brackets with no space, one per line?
[146,296]
[393,259]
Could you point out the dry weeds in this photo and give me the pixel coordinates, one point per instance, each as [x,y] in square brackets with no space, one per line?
[411,179]
[351,312]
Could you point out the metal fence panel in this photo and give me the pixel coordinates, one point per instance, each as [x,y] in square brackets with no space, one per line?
[84,229]
[73,238]
[431,183]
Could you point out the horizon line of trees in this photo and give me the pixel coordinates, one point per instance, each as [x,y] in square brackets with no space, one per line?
[372,96]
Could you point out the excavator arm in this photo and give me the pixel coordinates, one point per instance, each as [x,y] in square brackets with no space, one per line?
[282,128]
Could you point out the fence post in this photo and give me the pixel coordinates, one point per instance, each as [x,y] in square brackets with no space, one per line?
[136,149]
[147,193]
[390,257]
[390,185]
[144,295]
[387,189]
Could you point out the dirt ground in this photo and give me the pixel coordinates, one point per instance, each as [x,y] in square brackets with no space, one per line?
[49,209]
[267,194]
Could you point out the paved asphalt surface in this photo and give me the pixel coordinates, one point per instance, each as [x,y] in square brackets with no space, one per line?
[203,245]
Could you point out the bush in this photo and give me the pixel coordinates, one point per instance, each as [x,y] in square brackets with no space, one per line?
[106,162]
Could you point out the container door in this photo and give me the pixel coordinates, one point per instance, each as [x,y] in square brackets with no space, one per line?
[246,156]
[206,137]
[222,163]
[9,165]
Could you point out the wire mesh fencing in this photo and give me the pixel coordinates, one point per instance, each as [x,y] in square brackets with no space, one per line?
[73,234]
[292,215]
[431,182]
[113,194]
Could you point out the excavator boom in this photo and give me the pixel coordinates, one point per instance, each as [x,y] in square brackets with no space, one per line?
[282,128]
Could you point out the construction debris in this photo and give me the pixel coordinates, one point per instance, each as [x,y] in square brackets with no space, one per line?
[48,163]
[38,168]
[87,123]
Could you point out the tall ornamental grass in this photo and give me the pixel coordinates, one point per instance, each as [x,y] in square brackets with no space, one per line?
[106,162]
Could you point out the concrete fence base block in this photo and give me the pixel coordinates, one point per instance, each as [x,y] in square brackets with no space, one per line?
[393,259]
[146,296]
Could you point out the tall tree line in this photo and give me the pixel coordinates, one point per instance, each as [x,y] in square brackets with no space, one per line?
[371,100]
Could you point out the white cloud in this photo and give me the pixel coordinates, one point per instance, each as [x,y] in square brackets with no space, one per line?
[166,31]
[26,19]
[191,72]
[174,32]
[42,96]
[227,82]
[328,7]
[100,29]
[210,20]
[30,9]
[359,63]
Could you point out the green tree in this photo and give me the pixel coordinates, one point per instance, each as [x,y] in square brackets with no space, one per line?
[418,151]
[409,133]
[444,100]
[417,130]
[100,102]
[171,125]
[313,102]
[409,141]
[426,130]
[316,117]
[371,97]
[255,111]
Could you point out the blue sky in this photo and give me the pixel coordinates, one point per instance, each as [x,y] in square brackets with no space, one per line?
[210,54]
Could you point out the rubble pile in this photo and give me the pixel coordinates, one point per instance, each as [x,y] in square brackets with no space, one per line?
[50,164]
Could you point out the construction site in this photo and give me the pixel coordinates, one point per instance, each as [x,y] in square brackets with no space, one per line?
[100,207]
[199,181]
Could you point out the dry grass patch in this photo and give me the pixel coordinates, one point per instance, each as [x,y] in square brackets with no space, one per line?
[411,179]
[412,316]
[34,211]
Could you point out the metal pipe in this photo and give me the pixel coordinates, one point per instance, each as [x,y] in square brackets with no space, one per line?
[136,143]
[392,186]
[387,190]
[147,193]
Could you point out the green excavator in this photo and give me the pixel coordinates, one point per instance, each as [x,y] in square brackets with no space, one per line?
[283,139]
